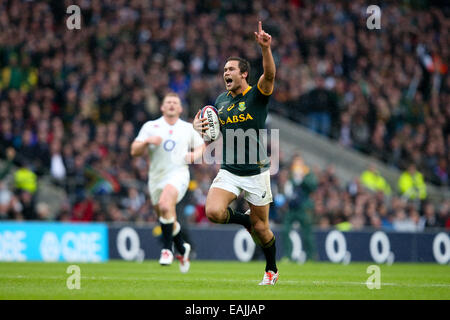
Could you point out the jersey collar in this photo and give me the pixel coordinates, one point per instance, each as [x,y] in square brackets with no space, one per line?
[168,124]
[243,93]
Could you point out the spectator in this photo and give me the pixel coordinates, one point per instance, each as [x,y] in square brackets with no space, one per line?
[5,201]
[443,218]
[360,133]
[441,172]
[372,180]
[133,203]
[196,97]
[28,150]
[342,224]
[43,212]
[25,179]
[282,192]
[386,218]
[402,222]
[324,223]
[301,206]
[57,168]
[83,210]
[429,219]
[10,154]
[321,107]
[27,203]
[345,136]
[411,184]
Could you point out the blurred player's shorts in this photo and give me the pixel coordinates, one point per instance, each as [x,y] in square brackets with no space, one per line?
[179,179]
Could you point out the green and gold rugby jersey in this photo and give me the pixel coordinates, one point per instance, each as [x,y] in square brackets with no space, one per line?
[241,119]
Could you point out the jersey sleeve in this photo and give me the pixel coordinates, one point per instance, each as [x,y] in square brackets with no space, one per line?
[260,97]
[145,132]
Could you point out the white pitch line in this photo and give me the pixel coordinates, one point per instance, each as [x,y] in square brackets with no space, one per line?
[424,285]
[300,282]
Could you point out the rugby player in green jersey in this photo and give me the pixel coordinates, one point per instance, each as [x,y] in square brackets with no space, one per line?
[242,111]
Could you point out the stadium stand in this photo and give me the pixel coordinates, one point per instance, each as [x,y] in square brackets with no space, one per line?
[71,101]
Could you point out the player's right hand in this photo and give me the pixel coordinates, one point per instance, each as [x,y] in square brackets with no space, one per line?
[200,124]
[156,140]
[263,38]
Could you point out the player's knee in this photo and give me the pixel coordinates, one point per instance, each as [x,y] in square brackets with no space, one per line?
[261,227]
[164,208]
[215,214]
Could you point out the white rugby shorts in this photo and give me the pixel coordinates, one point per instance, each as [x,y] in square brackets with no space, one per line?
[256,188]
[179,179]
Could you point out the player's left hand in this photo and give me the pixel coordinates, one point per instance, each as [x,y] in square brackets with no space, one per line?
[263,38]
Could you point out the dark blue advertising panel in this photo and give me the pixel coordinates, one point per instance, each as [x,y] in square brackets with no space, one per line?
[97,242]
[233,243]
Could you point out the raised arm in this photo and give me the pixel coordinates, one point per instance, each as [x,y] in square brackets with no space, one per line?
[267,79]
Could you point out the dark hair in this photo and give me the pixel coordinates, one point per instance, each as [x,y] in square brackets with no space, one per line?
[244,65]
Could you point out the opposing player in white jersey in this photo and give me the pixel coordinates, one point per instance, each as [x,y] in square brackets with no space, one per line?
[171,144]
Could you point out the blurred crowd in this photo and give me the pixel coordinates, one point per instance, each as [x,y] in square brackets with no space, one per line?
[368,201]
[72,101]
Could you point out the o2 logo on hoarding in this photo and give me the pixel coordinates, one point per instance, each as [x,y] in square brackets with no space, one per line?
[336,247]
[244,246]
[132,251]
[441,241]
[297,253]
[380,248]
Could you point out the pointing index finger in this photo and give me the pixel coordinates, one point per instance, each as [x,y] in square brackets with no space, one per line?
[259,26]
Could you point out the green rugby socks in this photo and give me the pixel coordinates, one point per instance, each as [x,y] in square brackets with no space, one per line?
[238,218]
[269,250]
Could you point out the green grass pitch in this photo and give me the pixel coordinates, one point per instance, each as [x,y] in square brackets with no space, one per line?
[222,280]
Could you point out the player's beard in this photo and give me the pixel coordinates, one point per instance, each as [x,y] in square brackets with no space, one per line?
[235,86]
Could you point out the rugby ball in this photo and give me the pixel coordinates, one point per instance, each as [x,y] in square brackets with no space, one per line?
[212,116]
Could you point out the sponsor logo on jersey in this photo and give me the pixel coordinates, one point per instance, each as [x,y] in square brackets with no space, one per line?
[261,164]
[237,118]
[230,107]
